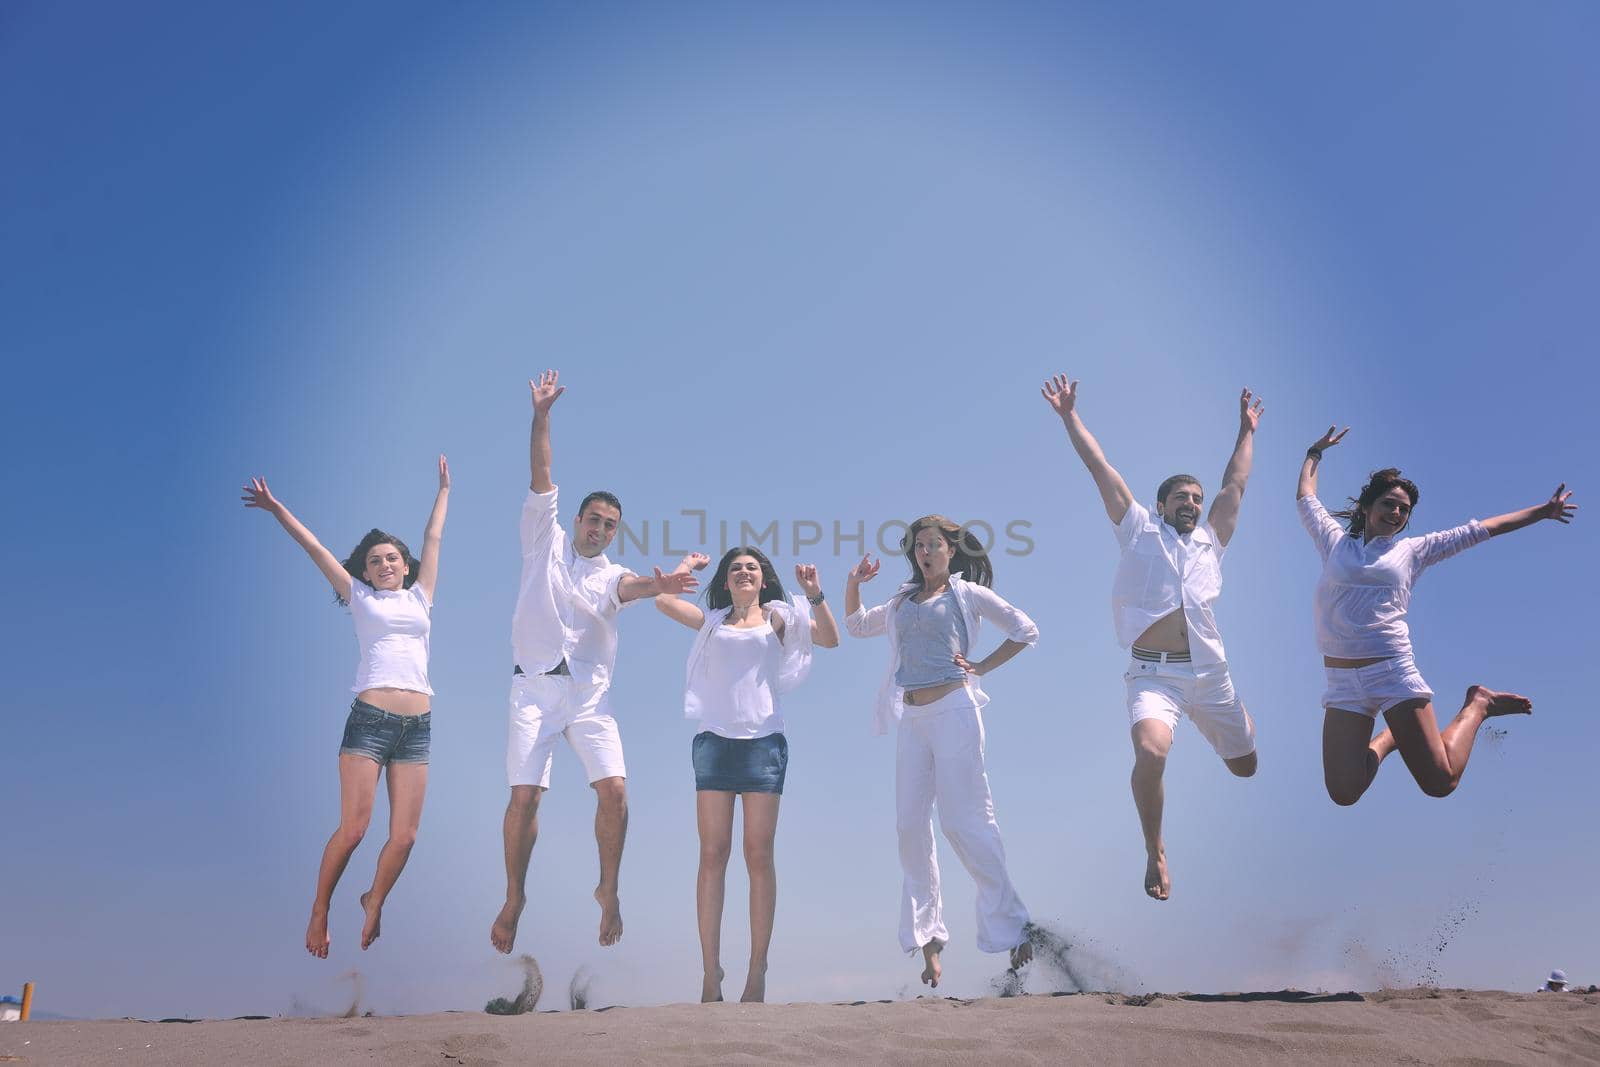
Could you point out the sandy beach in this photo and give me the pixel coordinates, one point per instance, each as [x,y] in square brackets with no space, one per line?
[1418,1026]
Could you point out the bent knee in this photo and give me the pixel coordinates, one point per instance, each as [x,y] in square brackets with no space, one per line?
[1439,787]
[1344,794]
[611,791]
[524,800]
[351,833]
[1243,766]
[403,838]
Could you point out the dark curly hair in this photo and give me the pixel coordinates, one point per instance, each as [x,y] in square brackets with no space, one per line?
[717,593]
[1378,484]
[355,564]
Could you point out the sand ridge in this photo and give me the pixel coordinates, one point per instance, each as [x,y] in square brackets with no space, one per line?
[1417,1026]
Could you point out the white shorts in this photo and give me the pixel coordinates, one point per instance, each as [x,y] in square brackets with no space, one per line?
[1376,687]
[547,707]
[1169,691]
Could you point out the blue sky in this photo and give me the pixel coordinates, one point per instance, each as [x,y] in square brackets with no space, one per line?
[796,265]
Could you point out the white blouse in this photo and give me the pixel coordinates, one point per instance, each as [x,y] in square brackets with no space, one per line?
[1365,589]
[736,677]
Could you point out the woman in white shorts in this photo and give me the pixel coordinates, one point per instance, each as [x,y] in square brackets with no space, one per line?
[1368,572]
[390,596]
[752,645]
[931,690]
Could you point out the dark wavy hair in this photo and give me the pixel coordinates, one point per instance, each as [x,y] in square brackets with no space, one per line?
[971,559]
[717,594]
[1378,484]
[355,564]
[1172,483]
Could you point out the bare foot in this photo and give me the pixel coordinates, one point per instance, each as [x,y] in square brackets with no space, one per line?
[755,987]
[1382,745]
[610,917]
[369,929]
[1021,955]
[932,969]
[1157,883]
[317,934]
[1499,703]
[503,934]
[711,988]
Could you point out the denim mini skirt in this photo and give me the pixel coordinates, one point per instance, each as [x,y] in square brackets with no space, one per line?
[729,765]
[384,737]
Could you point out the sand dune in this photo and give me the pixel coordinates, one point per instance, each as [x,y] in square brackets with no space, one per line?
[1419,1026]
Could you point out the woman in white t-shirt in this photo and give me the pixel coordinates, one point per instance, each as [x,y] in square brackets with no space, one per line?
[390,596]
[752,645]
[1362,597]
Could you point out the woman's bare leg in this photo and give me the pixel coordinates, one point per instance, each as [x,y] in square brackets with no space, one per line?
[358,781]
[408,783]
[1350,754]
[1438,759]
[760,832]
[714,817]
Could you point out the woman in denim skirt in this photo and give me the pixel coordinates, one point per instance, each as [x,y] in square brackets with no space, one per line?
[390,596]
[752,645]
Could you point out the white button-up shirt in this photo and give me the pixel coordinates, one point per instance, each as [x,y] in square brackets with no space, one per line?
[1159,573]
[1365,588]
[567,604]
[976,601]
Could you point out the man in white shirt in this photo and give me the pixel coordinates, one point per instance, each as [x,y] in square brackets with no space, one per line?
[1168,578]
[564,639]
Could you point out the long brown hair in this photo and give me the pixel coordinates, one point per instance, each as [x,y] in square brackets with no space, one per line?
[971,559]
[1378,484]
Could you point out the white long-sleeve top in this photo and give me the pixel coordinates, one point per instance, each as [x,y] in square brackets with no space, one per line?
[976,602]
[739,695]
[1365,588]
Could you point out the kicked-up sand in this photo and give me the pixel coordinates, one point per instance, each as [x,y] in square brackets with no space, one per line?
[1417,1026]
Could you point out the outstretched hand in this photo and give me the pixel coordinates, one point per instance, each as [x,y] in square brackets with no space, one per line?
[1061,394]
[1329,439]
[864,571]
[675,583]
[444,472]
[257,495]
[693,561]
[545,391]
[1249,416]
[1557,507]
[806,575]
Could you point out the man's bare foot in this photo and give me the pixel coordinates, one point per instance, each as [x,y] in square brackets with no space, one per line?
[932,969]
[1499,703]
[711,988]
[1382,745]
[755,987]
[1157,883]
[503,934]
[369,929]
[1021,955]
[317,934]
[610,916]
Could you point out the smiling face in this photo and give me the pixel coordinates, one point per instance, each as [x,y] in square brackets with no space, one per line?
[1181,509]
[385,567]
[596,526]
[1388,515]
[931,553]
[744,579]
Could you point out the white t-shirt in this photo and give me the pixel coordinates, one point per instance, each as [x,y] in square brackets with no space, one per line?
[392,628]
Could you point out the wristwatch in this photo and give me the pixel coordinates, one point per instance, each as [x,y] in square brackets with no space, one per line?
[815,600]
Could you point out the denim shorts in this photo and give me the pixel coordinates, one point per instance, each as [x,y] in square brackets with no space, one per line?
[384,737]
[729,765]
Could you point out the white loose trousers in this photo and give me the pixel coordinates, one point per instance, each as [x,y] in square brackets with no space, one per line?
[939,762]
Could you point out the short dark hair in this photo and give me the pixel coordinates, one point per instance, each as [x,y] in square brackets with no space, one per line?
[1172,483]
[603,497]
